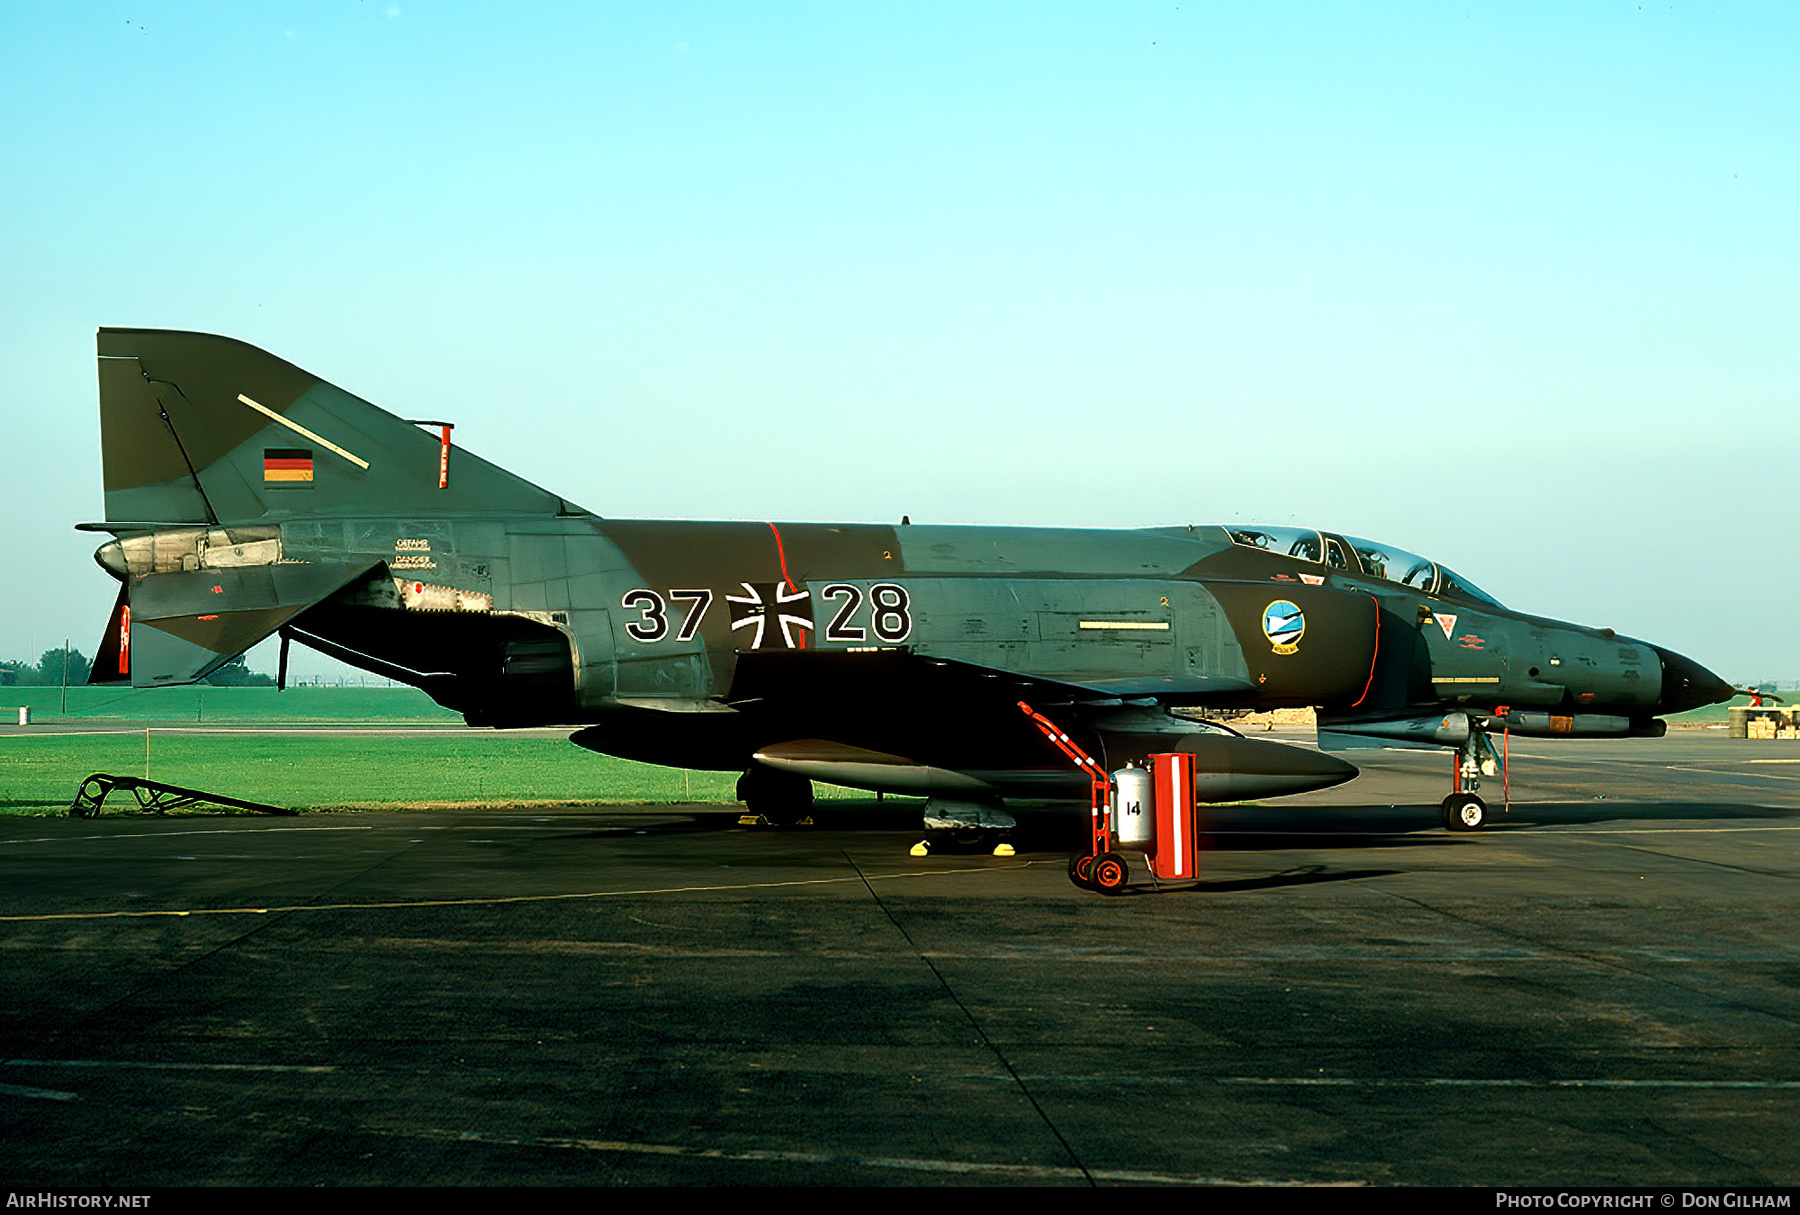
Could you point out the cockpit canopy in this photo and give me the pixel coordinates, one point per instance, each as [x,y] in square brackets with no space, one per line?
[1352,555]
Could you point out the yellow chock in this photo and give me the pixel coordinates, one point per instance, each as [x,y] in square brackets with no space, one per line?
[1003,850]
[922,848]
[752,820]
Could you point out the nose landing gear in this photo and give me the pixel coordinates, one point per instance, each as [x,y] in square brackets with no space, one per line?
[1473,759]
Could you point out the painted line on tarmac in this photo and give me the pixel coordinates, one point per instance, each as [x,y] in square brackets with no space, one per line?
[41,1094]
[1406,1082]
[1535,829]
[1048,1172]
[174,1067]
[498,901]
[157,835]
[1555,830]
[1730,772]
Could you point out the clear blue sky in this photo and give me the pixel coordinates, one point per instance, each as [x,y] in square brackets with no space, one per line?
[1514,286]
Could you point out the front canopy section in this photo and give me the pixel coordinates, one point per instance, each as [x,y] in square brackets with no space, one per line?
[1353,555]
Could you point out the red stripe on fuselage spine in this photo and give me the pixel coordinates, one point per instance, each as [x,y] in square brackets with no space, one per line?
[781,555]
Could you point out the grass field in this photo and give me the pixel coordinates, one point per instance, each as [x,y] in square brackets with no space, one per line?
[39,773]
[209,704]
[448,765]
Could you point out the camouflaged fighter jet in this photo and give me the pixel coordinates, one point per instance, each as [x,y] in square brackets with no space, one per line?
[249,497]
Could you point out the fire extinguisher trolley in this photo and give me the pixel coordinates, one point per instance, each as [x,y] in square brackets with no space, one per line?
[1167,838]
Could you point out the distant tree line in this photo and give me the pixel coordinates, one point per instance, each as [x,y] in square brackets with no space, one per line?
[49,672]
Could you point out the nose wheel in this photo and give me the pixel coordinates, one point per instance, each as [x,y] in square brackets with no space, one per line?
[1463,812]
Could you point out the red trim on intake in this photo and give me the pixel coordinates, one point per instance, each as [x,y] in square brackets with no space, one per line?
[1373,657]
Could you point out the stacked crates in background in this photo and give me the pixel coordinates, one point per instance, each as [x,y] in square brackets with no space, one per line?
[1764,721]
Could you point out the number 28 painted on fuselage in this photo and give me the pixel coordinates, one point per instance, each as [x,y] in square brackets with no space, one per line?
[884,606]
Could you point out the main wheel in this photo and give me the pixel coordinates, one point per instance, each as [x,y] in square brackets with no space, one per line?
[1465,812]
[784,798]
[1110,873]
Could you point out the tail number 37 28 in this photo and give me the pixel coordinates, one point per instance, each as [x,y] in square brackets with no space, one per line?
[885,607]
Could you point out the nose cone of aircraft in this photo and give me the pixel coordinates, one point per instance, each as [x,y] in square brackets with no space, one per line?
[1688,685]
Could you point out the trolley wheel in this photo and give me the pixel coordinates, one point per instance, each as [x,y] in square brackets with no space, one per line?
[1110,873]
[1465,812]
[1081,871]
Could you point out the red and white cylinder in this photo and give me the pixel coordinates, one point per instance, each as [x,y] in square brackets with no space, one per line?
[1172,853]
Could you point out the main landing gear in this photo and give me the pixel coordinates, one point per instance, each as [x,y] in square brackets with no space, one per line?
[779,799]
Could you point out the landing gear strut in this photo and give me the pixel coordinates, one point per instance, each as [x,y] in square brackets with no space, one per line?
[1474,758]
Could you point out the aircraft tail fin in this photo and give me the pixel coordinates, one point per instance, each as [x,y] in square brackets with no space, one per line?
[205,430]
[235,482]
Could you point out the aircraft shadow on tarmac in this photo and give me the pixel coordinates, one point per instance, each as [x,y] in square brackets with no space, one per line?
[1300,875]
[1246,828]
[1594,813]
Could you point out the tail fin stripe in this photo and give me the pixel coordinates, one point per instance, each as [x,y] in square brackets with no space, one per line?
[298,429]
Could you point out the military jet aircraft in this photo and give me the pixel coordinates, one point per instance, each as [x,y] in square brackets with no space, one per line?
[249,497]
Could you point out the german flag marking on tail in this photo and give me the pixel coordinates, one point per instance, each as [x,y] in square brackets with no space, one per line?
[287,464]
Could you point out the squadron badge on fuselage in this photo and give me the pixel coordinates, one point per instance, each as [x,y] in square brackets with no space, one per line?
[1284,624]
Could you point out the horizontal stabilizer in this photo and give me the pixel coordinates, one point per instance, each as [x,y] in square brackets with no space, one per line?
[187,624]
